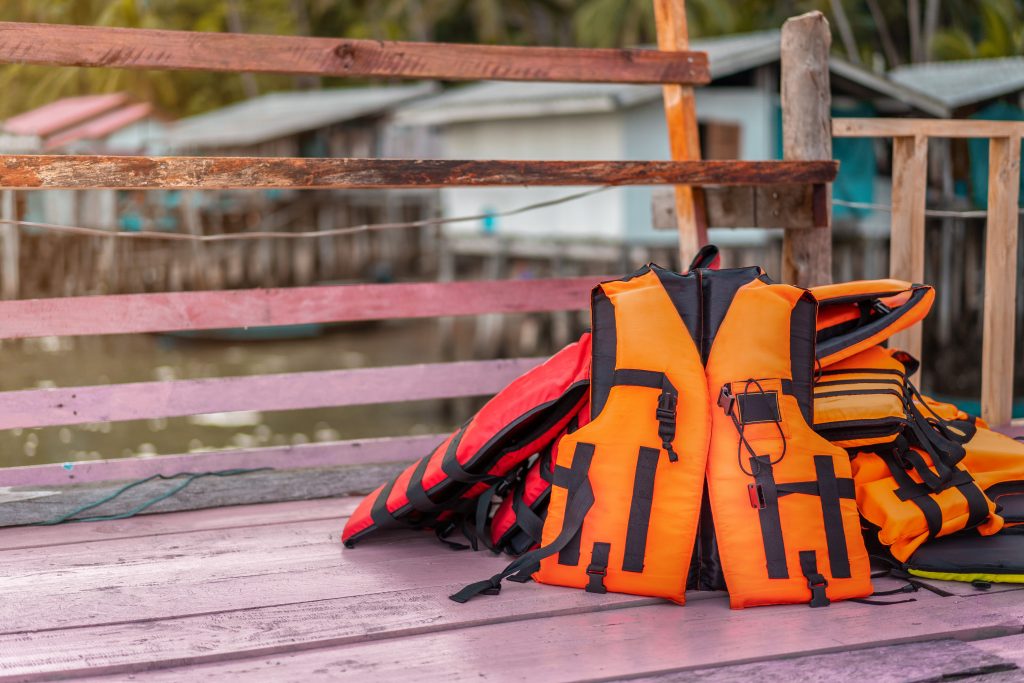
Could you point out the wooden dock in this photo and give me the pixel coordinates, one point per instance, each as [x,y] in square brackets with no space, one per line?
[267,592]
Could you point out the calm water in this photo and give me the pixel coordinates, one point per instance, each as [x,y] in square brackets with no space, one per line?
[78,361]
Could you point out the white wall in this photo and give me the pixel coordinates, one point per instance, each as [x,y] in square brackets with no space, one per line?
[554,138]
[632,134]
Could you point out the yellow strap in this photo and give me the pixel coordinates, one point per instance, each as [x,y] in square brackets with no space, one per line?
[968,578]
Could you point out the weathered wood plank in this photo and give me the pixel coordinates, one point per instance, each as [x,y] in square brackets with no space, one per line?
[222,173]
[806,134]
[935,128]
[328,454]
[1007,647]
[763,206]
[683,135]
[906,245]
[1000,303]
[627,642]
[145,526]
[176,311]
[932,661]
[22,43]
[287,391]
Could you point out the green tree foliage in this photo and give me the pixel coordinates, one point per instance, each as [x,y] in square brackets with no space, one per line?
[959,29]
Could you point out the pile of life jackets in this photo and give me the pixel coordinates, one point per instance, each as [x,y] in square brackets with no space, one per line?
[719,431]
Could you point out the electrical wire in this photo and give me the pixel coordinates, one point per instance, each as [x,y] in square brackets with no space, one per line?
[307,234]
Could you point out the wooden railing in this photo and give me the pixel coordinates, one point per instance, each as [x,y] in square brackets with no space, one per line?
[907,248]
[129,48]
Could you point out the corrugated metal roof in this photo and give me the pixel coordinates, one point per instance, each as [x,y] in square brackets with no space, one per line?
[64,113]
[727,55]
[277,115]
[960,83]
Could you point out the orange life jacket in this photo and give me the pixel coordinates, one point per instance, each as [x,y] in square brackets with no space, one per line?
[703,374]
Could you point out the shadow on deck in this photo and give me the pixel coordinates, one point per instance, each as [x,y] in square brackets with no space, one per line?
[267,592]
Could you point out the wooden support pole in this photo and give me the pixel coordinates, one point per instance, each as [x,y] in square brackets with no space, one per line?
[906,242]
[683,135]
[9,242]
[1000,280]
[806,134]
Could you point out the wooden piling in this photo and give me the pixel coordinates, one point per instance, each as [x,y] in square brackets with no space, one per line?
[807,135]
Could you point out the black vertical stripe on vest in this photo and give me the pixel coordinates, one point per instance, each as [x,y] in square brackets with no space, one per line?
[771,523]
[802,323]
[640,509]
[603,351]
[929,508]
[573,479]
[718,289]
[684,292]
[832,514]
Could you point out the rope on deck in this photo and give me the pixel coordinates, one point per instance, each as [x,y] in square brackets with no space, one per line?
[174,490]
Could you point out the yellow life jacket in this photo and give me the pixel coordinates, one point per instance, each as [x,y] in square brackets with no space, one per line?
[700,376]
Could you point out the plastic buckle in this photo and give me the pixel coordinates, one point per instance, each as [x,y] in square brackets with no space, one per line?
[756,494]
[816,581]
[495,589]
[726,401]
[666,407]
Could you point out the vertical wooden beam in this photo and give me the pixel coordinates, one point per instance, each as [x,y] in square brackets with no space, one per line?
[683,136]
[10,243]
[906,242]
[806,135]
[1000,280]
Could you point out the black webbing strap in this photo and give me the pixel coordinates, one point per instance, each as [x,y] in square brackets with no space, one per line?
[450,462]
[668,402]
[526,519]
[598,568]
[815,581]
[379,513]
[705,258]
[768,514]
[908,489]
[572,479]
[640,509]
[977,504]
[415,492]
[835,534]
[576,509]
[845,486]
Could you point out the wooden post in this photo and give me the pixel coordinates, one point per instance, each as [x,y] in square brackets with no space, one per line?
[683,136]
[806,134]
[9,239]
[906,242]
[1000,280]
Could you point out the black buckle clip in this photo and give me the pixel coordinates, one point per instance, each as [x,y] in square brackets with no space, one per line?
[495,589]
[817,581]
[667,403]
[726,401]
[597,570]
[756,494]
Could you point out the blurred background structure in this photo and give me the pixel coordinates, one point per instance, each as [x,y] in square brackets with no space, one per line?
[920,58]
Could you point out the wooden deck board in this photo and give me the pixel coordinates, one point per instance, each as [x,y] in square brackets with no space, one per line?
[268,593]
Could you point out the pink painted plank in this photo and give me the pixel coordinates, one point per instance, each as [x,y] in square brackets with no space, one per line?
[131,647]
[166,312]
[1008,647]
[630,641]
[124,581]
[289,391]
[144,526]
[354,452]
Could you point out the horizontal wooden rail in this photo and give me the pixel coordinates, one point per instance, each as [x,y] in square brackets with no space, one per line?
[290,391]
[181,311]
[331,454]
[250,173]
[935,128]
[63,45]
